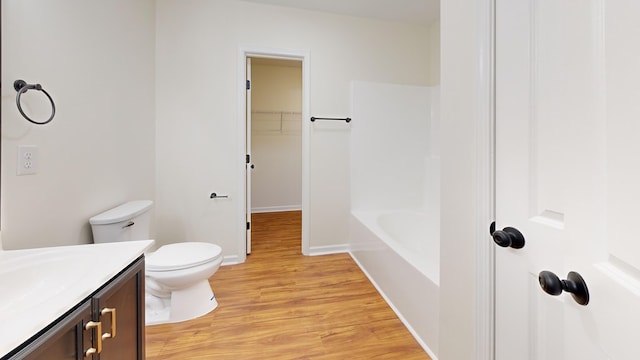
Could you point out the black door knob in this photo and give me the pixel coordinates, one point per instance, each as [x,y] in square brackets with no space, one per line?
[552,285]
[507,237]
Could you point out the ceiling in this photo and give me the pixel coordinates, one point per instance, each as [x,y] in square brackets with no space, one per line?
[410,11]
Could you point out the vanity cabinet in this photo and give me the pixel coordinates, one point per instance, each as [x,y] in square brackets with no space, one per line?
[63,341]
[120,308]
[109,325]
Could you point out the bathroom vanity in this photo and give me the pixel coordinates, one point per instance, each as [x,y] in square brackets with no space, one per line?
[76,302]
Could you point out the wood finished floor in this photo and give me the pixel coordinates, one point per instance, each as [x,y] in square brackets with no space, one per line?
[280,304]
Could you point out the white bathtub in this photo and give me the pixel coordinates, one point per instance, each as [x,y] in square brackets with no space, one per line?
[399,251]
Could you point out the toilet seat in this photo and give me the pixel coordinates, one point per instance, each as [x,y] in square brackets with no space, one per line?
[182,256]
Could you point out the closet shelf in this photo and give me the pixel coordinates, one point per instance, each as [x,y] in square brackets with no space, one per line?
[276,122]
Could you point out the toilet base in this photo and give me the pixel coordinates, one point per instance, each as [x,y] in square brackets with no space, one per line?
[185,304]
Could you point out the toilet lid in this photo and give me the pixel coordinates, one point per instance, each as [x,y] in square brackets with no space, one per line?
[181,256]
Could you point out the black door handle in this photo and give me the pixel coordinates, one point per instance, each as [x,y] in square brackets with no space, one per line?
[507,237]
[575,284]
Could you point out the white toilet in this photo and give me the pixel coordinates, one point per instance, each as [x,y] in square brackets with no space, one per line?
[176,284]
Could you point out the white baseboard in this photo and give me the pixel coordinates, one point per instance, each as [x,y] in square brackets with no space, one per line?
[231,260]
[267,209]
[329,249]
[314,251]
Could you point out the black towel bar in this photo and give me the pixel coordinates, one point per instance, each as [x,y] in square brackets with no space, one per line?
[313,119]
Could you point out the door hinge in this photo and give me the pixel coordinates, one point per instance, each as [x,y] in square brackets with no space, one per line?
[248,84]
[248,225]
[248,158]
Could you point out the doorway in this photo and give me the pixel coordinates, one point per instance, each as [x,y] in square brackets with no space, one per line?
[274,137]
[277,170]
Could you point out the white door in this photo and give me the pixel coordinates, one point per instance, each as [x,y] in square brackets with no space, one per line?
[568,178]
[249,163]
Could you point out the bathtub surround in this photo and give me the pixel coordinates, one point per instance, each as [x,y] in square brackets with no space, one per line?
[395,200]
[391,145]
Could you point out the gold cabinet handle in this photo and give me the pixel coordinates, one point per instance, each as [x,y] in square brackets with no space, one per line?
[112,333]
[98,331]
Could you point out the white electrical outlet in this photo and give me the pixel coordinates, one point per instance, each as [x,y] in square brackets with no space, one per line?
[27,160]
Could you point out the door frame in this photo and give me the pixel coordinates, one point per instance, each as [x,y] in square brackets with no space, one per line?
[245,51]
[485,179]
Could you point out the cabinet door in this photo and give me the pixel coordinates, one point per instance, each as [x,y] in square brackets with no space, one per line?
[119,306]
[66,340]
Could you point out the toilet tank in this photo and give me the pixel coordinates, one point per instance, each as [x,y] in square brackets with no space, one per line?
[129,221]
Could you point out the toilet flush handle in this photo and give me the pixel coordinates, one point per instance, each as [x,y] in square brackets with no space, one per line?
[131,223]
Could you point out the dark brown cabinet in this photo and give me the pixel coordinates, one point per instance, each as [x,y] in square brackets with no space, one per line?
[120,309]
[109,325]
[63,340]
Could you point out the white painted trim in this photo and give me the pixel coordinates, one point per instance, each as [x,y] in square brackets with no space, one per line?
[485,261]
[328,250]
[266,209]
[242,140]
[245,51]
[306,143]
[231,260]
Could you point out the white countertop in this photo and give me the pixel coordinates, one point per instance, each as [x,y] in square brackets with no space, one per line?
[37,286]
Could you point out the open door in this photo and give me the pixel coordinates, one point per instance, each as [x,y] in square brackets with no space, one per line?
[249,164]
[567,179]
[245,56]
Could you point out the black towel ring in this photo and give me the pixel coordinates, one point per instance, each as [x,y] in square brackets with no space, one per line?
[22,87]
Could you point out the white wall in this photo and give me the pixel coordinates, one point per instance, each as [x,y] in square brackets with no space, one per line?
[96,59]
[433,63]
[276,136]
[106,139]
[460,104]
[197,87]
